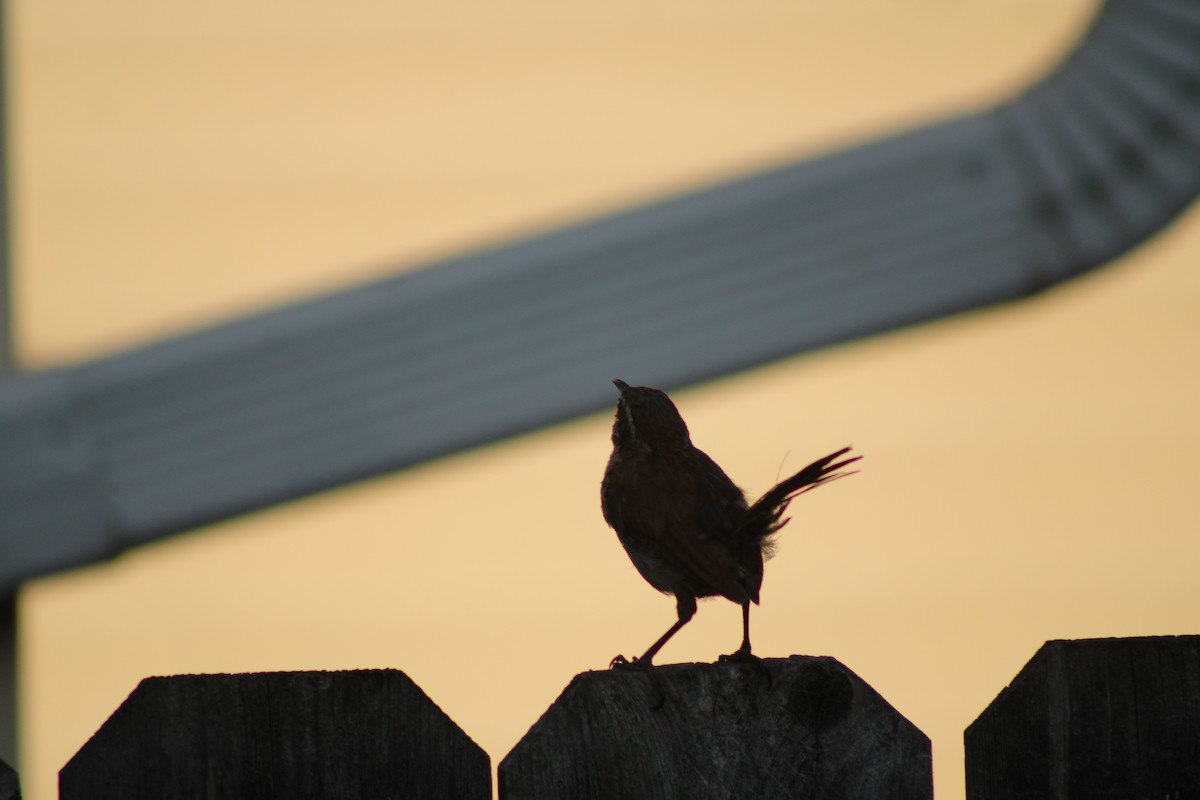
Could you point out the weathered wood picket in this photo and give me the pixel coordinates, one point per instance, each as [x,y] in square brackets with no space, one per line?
[367,733]
[1092,718]
[795,727]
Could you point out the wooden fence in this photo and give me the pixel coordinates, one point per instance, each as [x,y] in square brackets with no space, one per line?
[1084,719]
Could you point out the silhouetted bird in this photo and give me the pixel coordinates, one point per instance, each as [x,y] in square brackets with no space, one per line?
[683,522]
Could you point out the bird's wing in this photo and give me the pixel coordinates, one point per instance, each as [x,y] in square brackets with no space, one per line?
[684,519]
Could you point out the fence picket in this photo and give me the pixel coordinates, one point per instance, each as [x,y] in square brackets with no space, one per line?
[1093,718]
[782,728]
[293,735]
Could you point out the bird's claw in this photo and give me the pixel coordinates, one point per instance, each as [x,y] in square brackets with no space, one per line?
[744,656]
[623,663]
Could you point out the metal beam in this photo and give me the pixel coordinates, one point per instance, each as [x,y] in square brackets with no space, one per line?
[981,209]
[8,590]
[7,361]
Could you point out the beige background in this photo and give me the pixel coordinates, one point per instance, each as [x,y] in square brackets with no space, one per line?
[1030,471]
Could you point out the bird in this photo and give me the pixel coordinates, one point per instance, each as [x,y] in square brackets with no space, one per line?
[685,525]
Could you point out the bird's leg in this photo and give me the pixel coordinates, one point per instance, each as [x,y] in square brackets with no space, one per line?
[745,648]
[685,605]
[743,653]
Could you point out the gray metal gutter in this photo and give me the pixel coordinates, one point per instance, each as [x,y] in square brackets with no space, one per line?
[981,209]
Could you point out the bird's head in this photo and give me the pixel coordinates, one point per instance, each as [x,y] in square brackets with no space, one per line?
[647,420]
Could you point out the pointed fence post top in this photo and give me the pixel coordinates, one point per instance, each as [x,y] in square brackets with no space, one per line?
[278,734]
[794,727]
[1093,718]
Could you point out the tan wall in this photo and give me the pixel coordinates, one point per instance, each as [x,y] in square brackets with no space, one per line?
[1029,471]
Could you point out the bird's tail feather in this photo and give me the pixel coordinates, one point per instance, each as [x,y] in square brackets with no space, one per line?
[765,516]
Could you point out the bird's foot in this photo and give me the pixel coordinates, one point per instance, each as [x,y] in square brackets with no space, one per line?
[644,665]
[744,656]
[623,663]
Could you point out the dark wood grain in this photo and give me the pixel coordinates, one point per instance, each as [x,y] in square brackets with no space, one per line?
[360,734]
[794,727]
[1093,718]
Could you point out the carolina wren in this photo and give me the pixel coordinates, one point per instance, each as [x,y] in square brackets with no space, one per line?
[685,525]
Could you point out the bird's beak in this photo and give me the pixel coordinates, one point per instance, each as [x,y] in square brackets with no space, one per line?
[620,384]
